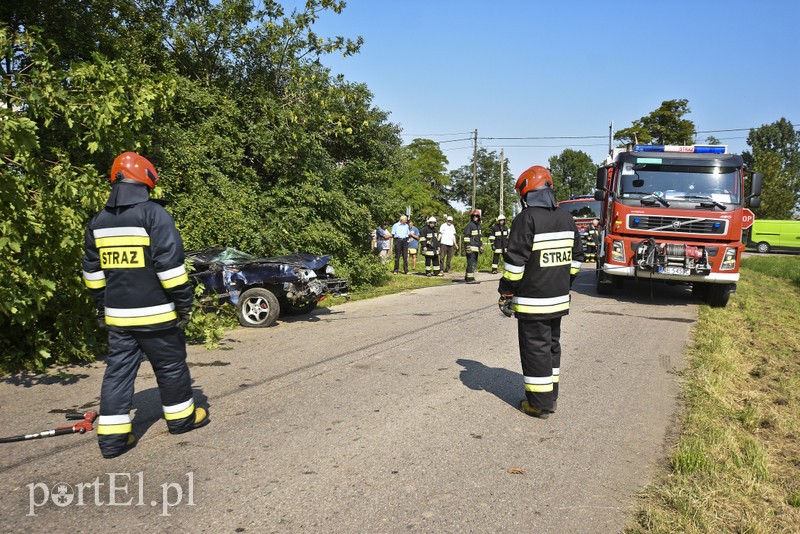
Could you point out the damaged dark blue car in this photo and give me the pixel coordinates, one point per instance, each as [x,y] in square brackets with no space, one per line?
[262,289]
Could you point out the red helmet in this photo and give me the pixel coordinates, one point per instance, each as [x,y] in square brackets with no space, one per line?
[474,212]
[132,166]
[533,178]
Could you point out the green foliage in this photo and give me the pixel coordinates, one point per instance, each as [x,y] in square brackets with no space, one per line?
[663,126]
[776,154]
[58,126]
[573,172]
[257,145]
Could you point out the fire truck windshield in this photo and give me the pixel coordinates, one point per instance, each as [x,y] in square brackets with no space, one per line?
[585,209]
[681,183]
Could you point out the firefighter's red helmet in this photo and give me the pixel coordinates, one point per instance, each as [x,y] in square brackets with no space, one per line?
[475,212]
[134,167]
[533,178]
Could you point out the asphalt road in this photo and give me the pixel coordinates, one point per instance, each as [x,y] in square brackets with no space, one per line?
[391,414]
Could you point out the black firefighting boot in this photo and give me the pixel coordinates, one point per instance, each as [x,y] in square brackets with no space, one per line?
[201,418]
[131,443]
[527,409]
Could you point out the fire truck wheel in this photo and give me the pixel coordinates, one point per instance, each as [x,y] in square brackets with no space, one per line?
[718,295]
[763,247]
[604,285]
[700,289]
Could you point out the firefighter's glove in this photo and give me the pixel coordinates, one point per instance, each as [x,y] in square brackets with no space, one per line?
[505,305]
[101,319]
[184,318]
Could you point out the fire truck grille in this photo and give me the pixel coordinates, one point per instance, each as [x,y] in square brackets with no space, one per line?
[679,225]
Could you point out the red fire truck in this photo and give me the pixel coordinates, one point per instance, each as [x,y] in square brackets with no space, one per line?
[674,214]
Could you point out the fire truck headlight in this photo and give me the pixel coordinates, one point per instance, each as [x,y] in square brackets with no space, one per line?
[618,251]
[729,261]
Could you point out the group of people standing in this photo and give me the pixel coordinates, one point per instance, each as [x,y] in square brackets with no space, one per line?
[438,245]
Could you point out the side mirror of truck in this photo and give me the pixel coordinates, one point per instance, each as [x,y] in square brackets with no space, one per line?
[755,184]
[600,186]
[755,189]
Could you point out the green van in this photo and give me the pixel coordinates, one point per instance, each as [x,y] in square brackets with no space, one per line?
[767,235]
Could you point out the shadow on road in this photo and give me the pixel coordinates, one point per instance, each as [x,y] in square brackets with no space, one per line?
[504,384]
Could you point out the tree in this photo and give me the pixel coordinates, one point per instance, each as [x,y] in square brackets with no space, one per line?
[573,172]
[423,183]
[487,195]
[60,128]
[257,144]
[776,154]
[663,126]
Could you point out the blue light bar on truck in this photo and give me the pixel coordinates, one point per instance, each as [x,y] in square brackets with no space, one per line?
[697,149]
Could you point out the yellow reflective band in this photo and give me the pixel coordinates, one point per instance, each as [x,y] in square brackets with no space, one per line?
[557,243]
[539,388]
[122,258]
[123,241]
[95,284]
[172,282]
[573,270]
[108,430]
[555,378]
[540,310]
[183,414]
[512,277]
[141,321]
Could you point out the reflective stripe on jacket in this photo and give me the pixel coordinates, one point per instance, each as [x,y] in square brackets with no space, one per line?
[544,248]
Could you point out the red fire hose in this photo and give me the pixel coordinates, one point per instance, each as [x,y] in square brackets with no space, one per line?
[84,425]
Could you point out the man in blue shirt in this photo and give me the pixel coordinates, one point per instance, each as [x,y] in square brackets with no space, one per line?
[400,235]
[413,244]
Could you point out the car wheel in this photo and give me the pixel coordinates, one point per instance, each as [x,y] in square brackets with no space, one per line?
[258,308]
[763,247]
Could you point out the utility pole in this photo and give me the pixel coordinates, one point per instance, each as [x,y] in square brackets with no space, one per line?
[611,138]
[474,167]
[502,160]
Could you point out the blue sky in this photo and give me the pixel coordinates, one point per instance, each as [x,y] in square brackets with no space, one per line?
[518,68]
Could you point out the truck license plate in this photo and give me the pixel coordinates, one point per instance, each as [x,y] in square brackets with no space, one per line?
[677,271]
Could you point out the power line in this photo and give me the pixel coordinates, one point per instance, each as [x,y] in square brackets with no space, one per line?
[549,137]
[435,134]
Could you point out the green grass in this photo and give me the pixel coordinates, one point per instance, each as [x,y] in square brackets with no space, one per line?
[736,464]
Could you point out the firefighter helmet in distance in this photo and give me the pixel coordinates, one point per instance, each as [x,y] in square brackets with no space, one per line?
[501,217]
[475,213]
[533,178]
[431,219]
[132,166]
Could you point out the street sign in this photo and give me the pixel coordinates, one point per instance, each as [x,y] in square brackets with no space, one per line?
[747,218]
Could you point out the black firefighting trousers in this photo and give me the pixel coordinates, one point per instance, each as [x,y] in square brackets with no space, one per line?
[472,263]
[540,352]
[166,350]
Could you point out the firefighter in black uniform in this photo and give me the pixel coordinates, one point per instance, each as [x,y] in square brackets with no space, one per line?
[429,241]
[134,264]
[593,238]
[544,254]
[473,245]
[499,241]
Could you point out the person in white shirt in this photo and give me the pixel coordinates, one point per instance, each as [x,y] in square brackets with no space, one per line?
[448,243]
